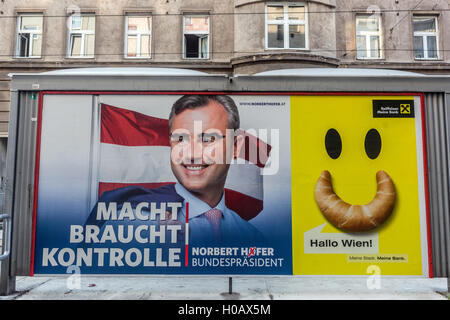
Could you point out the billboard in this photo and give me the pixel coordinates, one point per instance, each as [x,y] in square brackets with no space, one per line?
[189,183]
[359,199]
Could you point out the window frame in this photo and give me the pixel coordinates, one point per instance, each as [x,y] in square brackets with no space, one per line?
[424,36]
[367,35]
[30,32]
[286,23]
[208,34]
[139,35]
[83,34]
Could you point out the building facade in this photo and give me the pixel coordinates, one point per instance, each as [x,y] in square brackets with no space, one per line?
[215,36]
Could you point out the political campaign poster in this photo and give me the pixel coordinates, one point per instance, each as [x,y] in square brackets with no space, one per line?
[230,183]
[151,184]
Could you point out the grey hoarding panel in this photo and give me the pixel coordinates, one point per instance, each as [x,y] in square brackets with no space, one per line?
[341,84]
[24,183]
[270,83]
[436,117]
[8,283]
[119,83]
[436,114]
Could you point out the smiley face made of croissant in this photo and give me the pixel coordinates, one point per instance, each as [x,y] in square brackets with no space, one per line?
[356,218]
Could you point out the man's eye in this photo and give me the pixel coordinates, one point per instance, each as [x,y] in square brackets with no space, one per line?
[209,139]
[179,138]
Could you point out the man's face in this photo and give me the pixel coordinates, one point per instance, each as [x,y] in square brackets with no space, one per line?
[201,148]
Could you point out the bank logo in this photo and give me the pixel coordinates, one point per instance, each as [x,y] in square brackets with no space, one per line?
[405,108]
[393,108]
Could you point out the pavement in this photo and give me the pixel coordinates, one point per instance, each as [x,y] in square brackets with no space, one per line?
[87,287]
[217,288]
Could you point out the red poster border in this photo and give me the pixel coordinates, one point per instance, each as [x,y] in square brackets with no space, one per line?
[39,130]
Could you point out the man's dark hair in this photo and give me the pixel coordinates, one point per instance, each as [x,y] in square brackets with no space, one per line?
[192,101]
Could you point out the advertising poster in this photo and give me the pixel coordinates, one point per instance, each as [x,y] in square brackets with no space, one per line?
[358,197]
[200,183]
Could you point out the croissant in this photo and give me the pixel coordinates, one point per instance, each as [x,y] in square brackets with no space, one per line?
[356,218]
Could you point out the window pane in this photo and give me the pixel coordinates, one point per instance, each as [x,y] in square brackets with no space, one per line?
[142,24]
[37,45]
[145,46]
[204,47]
[296,13]
[275,36]
[297,36]
[88,23]
[89,44]
[424,24]
[367,24]
[131,46]
[24,42]
[418,48]
[191,43]
[432,47]
[275,13]
[374,47]
[31,23]
[361,50]
[196,24]
[76,22]
[75,49]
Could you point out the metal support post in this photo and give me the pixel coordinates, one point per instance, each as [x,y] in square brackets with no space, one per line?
[7,283]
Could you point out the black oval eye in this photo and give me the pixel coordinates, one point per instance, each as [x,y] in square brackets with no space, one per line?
[333,143]
[372,144]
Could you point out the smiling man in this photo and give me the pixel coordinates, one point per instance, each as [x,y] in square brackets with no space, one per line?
[204,139]
[201,130]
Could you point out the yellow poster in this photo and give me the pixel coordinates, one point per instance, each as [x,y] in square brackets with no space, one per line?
[357,185]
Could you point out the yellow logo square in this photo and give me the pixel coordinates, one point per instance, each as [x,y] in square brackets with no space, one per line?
[405,109]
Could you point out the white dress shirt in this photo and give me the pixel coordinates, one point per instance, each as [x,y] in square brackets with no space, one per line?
[234,230]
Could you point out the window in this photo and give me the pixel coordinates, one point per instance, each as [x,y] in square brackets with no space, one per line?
[286,26]
[81,36]
[368,37]
[29,36]
[425,38]
[196,37]
[138,36]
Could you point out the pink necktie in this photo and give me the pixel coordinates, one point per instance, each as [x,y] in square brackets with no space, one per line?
[214,216]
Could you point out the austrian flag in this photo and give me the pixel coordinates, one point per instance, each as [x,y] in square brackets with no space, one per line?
[135,150]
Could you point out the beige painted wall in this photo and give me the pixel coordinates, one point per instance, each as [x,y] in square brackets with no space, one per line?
[109,47]
[237,30]
[396,27]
